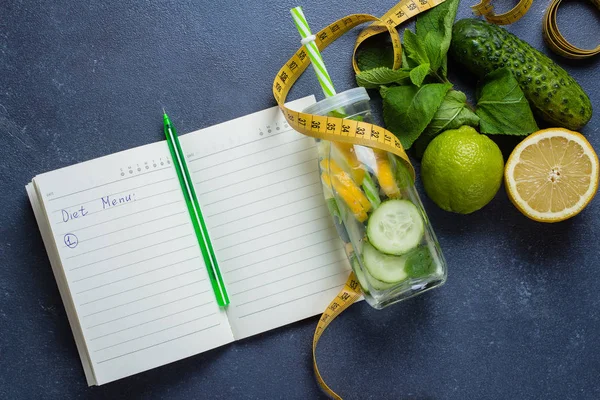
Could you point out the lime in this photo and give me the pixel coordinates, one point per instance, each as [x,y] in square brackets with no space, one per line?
[462,170]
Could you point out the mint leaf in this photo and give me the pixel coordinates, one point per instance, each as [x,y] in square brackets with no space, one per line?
[418,74]
[373,78]
[369,56]
[419,262]
[444,66]
[502,106]
[432,48]
[414,48]
[407,110]
[452,114]
[383,91]
[437,23]
[403,176]
[334,210]
[407,63]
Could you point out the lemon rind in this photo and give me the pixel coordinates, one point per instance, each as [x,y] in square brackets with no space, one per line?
[562,215]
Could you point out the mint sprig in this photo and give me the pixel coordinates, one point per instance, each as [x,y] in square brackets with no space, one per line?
[418,104]
[502,106]
[453,113]
[376,77]
[407,110]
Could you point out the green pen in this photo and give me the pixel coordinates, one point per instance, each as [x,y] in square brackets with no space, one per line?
[208,253]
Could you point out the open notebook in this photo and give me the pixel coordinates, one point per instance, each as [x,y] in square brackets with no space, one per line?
[127,262]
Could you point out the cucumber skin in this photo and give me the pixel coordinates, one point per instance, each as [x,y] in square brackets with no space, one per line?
[386,251]
[377,284]
[360,275]
[552,93]
[371,269]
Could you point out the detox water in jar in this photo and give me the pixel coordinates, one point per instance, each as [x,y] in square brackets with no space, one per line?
[377,211]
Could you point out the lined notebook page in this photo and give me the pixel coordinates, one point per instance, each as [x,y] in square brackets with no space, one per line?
[131,261]
[61,282]
[259,188]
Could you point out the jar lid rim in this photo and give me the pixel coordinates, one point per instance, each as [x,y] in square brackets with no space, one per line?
[339,100]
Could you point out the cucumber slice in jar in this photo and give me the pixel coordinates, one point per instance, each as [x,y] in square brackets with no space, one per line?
[362,279]
[378,285]
[395,227]
[383,267]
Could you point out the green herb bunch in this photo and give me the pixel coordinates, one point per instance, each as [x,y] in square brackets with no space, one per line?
[418,100]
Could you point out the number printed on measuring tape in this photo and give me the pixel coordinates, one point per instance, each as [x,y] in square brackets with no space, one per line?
[337,129]
[346,130]
[359,132]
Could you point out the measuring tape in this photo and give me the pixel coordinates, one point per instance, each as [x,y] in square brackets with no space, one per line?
[346,130]
[554,39]
[486,9]
[348,295]
[358,132]
[557,42]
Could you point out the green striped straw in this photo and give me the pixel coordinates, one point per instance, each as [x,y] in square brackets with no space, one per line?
[308,40]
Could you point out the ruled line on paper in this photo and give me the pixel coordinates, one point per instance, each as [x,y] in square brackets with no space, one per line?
[277,244]
[245,144]
[129,227]
[137,262]
[133,305]
[283,266]
[114,194]
[108,183]
[291,301]
[267,222]
[153,320]
[143,298]
[136,275]
[258,164]
[124,216]
[145,285]
[287,290]
[126,240]
[155,332]
[129,252]
[279,255]
[262,177]
[273,233]
[158,344]
[291,276]
[262,187]
[259,200]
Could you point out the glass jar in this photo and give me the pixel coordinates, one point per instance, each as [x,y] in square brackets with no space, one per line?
[377,211]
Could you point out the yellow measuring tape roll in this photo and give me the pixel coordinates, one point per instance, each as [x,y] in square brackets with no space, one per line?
[486,9]
[345,130]
[556,40]
[362,133]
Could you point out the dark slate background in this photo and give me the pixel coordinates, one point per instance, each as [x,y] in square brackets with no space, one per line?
[518,318]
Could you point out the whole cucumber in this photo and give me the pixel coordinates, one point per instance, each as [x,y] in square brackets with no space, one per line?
[552,93]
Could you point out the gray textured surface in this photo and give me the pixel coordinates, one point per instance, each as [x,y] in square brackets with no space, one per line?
[518,318]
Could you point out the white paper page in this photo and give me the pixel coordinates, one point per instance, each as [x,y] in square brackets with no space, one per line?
[61,283]
[132,262]
[259,188]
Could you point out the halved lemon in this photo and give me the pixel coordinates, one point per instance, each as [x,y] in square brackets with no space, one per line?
[552,175]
